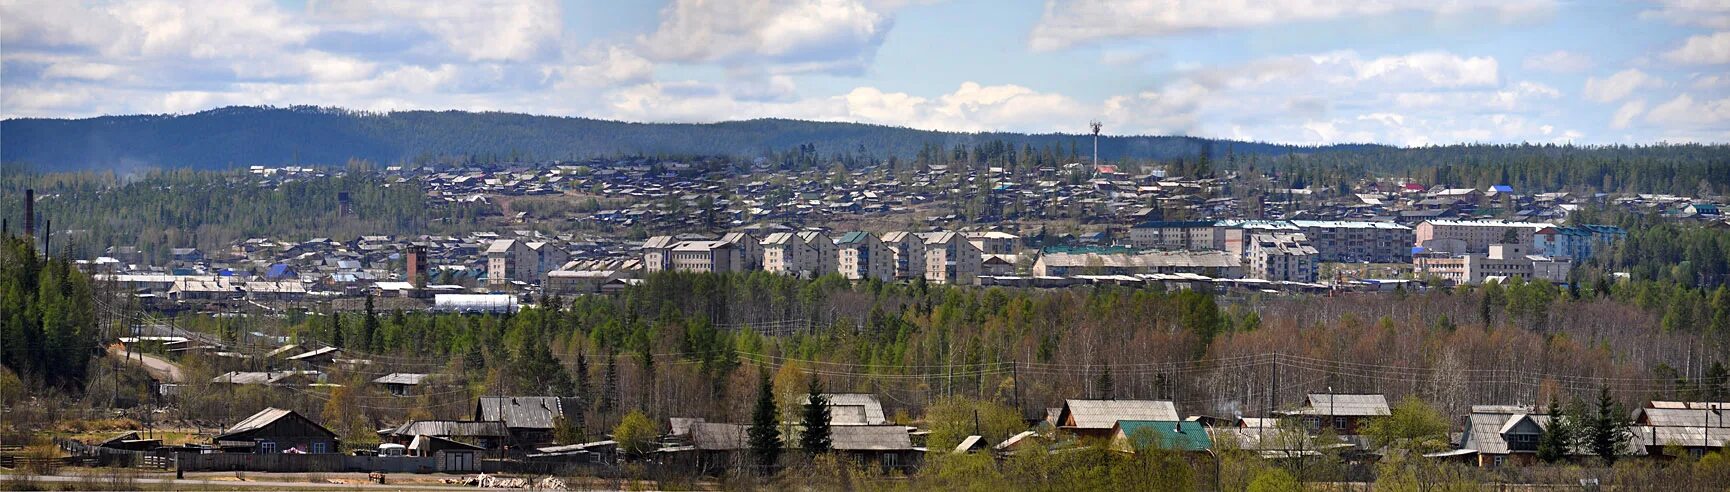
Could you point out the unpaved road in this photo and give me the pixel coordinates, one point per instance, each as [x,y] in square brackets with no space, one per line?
[158,367]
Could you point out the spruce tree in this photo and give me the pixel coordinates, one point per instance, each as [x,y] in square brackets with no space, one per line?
[765,432]
[816,438]
[1104,385]
[584,390]
[369,327]
[1609,430]
[610,385]
[336,330]
[1558,438]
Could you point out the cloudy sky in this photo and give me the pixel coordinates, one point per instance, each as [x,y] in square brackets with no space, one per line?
[1297,71]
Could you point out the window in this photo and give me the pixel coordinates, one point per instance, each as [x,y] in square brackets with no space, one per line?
[1500,460]
[1339,423]
[320,447]
[266,447]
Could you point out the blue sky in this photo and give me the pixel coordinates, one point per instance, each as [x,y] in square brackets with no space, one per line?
[1400,72]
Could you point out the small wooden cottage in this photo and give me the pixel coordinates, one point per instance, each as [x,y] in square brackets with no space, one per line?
[275,430]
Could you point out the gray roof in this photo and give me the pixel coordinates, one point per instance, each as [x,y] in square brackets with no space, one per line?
[1345,405]
[405,378]
[870,438]
[524,412]
[1103,414]
[681,426]
[264,418]
[719,437]
[854,409]
[1487,425]
[450,428]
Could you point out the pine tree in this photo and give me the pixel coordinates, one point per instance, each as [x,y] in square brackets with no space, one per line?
[584,390]
[1558,438]
[765,432]
[815,420]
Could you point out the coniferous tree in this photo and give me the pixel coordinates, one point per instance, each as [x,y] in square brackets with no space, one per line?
[1104,385]
[369,328]
[765,431]
[336,338]
[610,385]
[1609,430]
[815,420]
[1559,436]
[584,390]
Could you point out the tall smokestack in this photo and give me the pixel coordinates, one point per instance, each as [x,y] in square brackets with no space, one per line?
[29,212]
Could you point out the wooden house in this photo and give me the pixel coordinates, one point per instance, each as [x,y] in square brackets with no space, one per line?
[275,430]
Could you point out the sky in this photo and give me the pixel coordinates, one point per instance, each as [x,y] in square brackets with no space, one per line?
[1400,72]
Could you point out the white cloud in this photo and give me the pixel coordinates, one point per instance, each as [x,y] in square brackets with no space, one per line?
[1705,49]
[1626,114]
[793,35]
[1619,85]
[1068,23]
[480,30]
[1684,112]
[1713,14]
[604,66]
[1559,61]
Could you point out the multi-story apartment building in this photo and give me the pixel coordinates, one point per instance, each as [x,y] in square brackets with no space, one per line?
[703,256]
[1216,264]
[1358,241]
[909,253]
[1281,257]
[1576,242]
[826,259]
[950,259]
[863,256]
[512,260]
[1472,236]
[747,251]
[993,242]
[657,253]
[786,254]
[1196,235]
[1503,260]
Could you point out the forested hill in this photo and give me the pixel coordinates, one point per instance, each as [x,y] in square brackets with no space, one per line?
[241,136]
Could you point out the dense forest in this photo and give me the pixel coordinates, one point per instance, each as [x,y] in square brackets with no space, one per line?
[240,136]
[48,325]
[159,210]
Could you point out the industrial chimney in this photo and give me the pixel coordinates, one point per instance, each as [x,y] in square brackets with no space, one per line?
[416,265]
[30,212]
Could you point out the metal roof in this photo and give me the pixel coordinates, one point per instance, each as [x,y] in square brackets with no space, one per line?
[1103,414]
[450,428]
[1345,405]
[524,412]
[853,409]
[719,437]
[264,418]
[401,378]
[1166,434]
[870,438]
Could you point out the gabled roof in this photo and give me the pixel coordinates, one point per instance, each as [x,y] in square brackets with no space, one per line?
[1345,405]
[1103,414]
[524,412]
[266,418]
[1165,434]
[719,437]
[870,438]
[449,428]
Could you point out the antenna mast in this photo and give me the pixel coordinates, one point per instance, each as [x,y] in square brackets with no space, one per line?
[1095,126]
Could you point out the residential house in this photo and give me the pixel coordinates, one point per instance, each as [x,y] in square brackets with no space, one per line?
[854,409]
[1502,435]
[530,419]
[1696,427]
[401,384]
[486,435]
[1345,413]
[275,430]
[1183,436]
[886,448]
[1098,418]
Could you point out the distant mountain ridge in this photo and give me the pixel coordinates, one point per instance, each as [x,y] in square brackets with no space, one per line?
[243,135]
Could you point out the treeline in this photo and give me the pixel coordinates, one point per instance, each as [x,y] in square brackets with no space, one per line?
[160,210]
[50,327]
[694,345]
